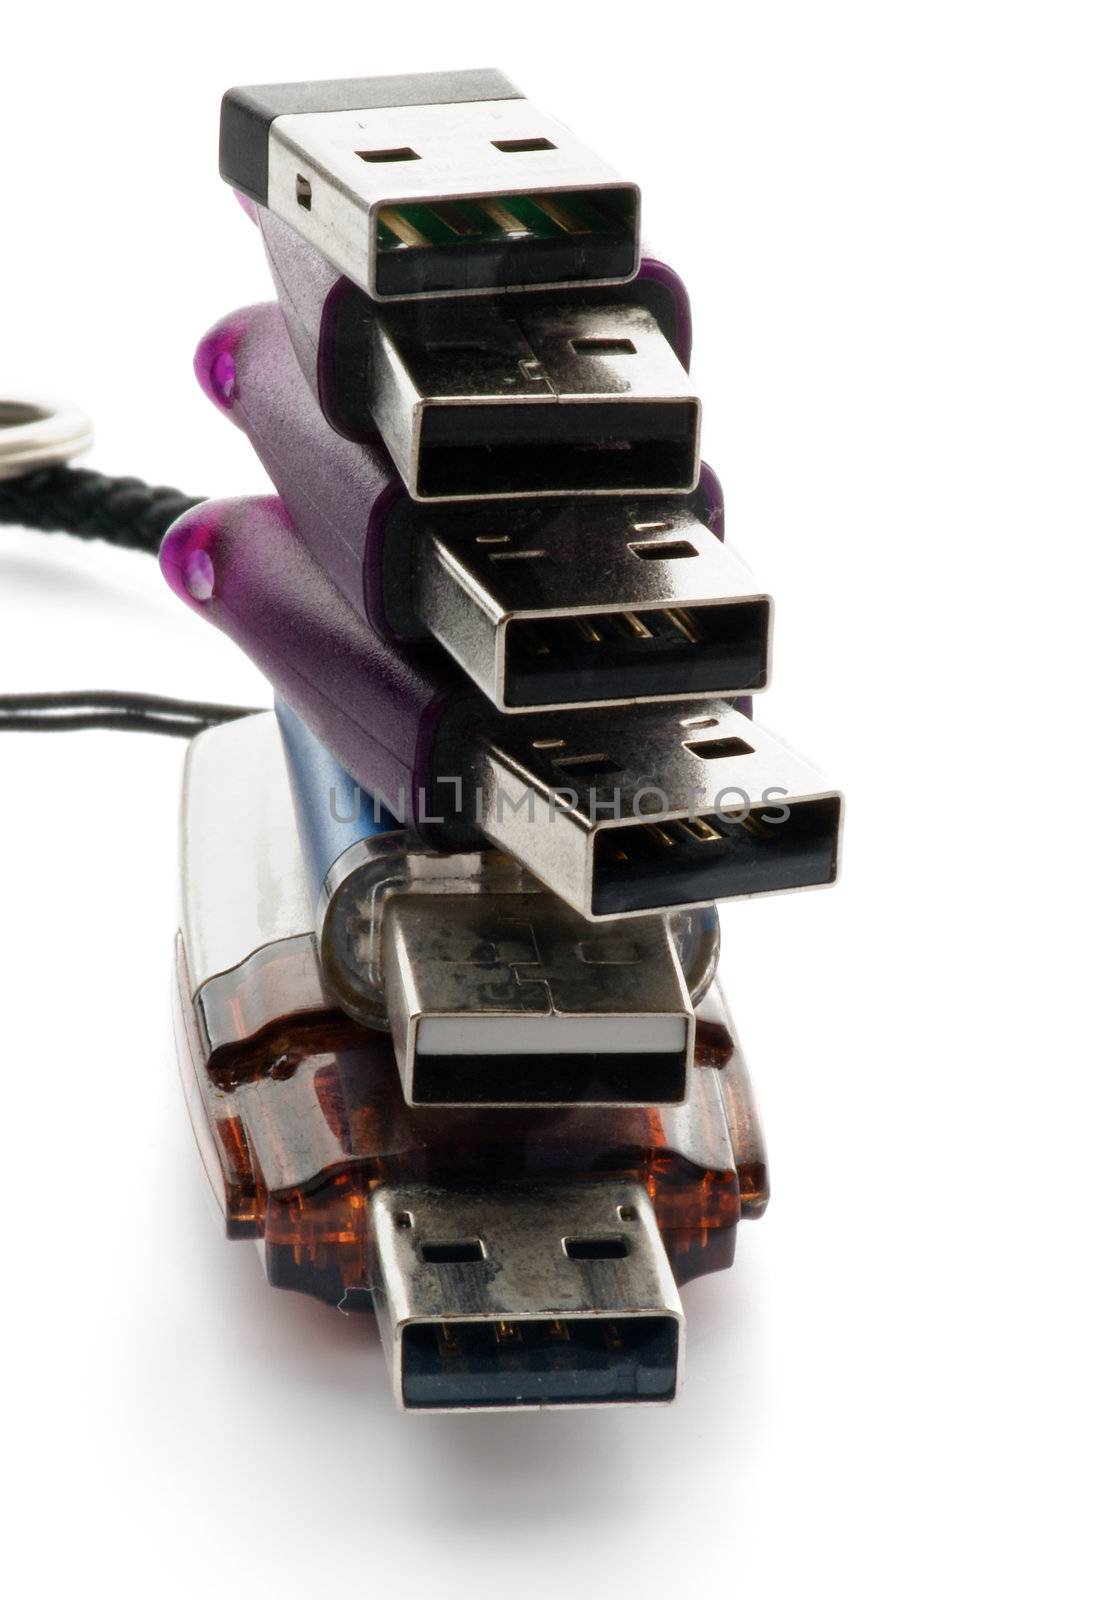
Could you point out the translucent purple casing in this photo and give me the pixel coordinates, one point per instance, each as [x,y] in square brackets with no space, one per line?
[340,493]
[391,714]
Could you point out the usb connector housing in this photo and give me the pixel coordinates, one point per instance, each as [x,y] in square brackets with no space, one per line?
[432,184]
[531,397]
[513,1000]
[628,812]
[630,602]
[546,1295]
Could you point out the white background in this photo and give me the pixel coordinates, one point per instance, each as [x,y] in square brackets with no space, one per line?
[893,221]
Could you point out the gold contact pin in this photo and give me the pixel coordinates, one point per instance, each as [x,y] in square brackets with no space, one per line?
[654,831]
[636,626]
[588,630]
[507,1332]
[558,214]
[684,623]
[503,217]
[699,829]
[400,226]
[560,1330]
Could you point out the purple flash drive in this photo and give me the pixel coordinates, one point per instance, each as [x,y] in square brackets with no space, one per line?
[544,603]
[621,811]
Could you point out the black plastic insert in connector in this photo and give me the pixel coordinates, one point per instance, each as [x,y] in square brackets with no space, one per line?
[565,1361]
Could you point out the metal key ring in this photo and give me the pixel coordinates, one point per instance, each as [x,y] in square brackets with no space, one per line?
[40,433]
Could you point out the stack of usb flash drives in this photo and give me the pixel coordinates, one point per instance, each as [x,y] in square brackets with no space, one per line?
[453,1042]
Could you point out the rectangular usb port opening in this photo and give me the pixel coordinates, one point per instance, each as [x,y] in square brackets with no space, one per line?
[558,446]
[603,1061]
[557,1361]
[643,654]
[679,861]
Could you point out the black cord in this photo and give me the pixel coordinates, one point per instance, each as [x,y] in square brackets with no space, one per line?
[133,515]
[69,711]
[122,511]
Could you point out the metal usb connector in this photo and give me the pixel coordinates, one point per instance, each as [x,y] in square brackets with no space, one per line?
[561,607]
[441,183]
[507,399]
[622,813]
[504,1296]
[510,999]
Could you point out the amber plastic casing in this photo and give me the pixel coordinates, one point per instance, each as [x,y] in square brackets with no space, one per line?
[300,1110]
[301,1121]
